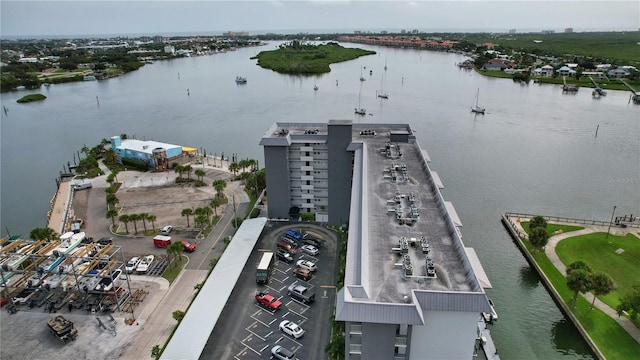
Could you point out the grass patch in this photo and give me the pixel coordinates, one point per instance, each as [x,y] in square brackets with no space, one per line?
[31,97]
[174,268]
[599,252]
[612,340]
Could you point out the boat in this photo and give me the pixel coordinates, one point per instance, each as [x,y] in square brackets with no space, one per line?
[361,77]
[144,264]
[360,110]
[477,109]
[56,255]
[241,80]
[381,93]
[489,317]
[315,87]
[89,78]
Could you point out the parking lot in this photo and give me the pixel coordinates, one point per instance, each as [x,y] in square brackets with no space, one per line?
[247,330]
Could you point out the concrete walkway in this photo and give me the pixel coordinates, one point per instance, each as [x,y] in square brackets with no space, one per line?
[550,251]
[157,322]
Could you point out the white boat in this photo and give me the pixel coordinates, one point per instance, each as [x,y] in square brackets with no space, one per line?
[361,77]
[106,283]
[489,317]
[315,87]
[381,93]
[477,109]
[144,264]
[360,110]
[56,255]
[241,80]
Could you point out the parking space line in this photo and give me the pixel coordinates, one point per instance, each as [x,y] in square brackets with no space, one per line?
[299,314]
[252,349]
[261,350]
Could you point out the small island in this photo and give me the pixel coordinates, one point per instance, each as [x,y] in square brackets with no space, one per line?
[302,58]
[31,97]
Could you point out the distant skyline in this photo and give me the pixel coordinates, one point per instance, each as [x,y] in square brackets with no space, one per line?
[90,17]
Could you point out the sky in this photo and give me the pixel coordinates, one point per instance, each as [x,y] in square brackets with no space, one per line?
[92,17]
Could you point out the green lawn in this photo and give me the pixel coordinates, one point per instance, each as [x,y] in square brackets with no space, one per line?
[612,340]
[174,268]
[600,255]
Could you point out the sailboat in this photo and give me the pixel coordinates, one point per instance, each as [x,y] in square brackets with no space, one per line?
[361,77]
[360,110]
[477,109]
[381,93]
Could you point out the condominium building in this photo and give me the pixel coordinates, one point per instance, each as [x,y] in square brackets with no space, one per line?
[412,290]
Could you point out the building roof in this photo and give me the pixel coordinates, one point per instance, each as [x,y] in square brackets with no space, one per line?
[145,146]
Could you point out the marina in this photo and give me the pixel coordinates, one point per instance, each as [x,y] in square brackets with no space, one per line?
[489,164]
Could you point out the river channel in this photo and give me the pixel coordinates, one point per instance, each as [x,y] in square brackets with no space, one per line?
[535,150]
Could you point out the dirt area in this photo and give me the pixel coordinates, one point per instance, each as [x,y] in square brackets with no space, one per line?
[152,193]
[27,329]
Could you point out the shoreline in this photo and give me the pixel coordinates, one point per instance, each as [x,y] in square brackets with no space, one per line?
[516,231]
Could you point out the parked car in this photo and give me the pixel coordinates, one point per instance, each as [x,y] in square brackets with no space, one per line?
[307,240]
[310,250]
[132,265]
[282,353]
[306,264]
[285,245]
[166,230]
[267,300]
[301,273]
[283,255]
[188,247]
[301,293]
[290,328]
[290,241]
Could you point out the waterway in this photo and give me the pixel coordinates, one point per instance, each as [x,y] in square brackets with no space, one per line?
[534,151]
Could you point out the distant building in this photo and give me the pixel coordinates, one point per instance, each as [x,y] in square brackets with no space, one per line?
[158,156]
[568,30]
[566,71]
[512,31]
[548,31]
[169,49]
[618,73]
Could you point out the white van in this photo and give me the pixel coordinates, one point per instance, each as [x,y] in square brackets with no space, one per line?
[83,184]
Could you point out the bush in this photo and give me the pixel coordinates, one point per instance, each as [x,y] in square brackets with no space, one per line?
[135,164]
[31,97]
[254,213]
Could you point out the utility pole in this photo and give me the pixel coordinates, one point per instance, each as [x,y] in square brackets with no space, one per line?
[612,214]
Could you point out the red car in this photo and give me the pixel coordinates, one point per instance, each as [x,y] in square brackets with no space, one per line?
[188,247]
[269,301]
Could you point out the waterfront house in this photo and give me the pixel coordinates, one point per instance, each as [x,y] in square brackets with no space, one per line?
[618,73]
[546,71]
[158,156]
[566,71]
[497,65]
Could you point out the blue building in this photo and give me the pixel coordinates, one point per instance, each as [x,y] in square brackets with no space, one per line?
[157,155]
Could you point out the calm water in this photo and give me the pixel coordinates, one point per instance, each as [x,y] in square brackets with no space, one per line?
[534,151]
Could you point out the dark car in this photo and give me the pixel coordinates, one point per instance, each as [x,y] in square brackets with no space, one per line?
[283,255]
[301,273]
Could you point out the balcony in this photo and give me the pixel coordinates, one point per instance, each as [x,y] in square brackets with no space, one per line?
[306,187]
[306,168]
[306,149]
[306,178]
[355,349]
[306,158]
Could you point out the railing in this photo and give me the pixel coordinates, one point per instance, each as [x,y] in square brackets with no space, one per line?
[568,220]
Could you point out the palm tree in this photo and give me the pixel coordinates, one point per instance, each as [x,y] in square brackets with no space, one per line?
[43,234]
[152,218]
[179,169]
[112,199]
[601,284]
[111,213]
[85,150]
[202,220]
[175,249]
[188,169]
[200,174]
[187,212]
[135,218]
[243,164]
[125,219]
[234,167]
[219,185]
[110,156]
[215,202]
[144,217]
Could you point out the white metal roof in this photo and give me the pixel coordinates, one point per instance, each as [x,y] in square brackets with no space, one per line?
[477,268]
